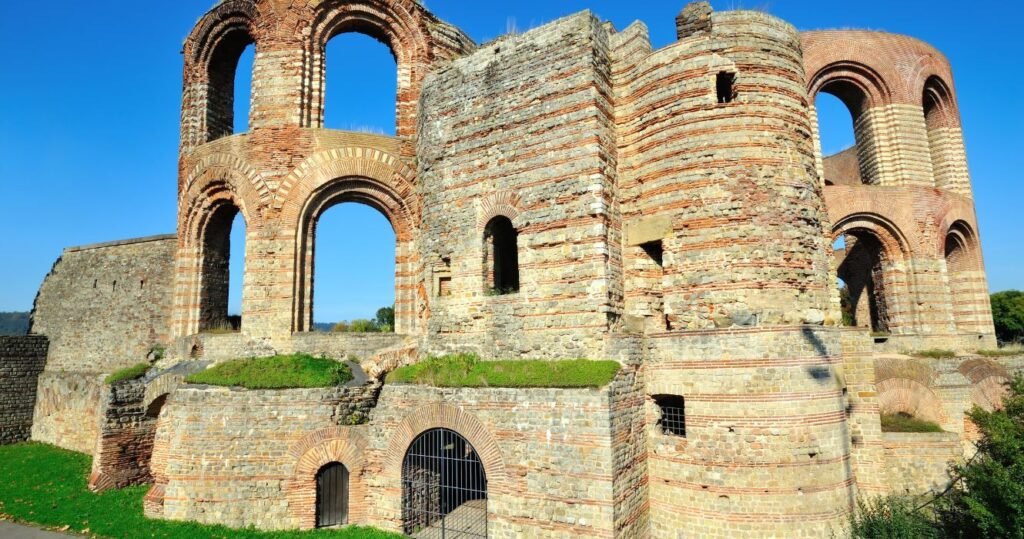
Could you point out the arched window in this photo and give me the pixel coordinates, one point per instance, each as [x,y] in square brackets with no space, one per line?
[155,407]
[354,269]
[844,134]
[959,265]
[501,256]
[861,271]
[360,84]
[332,496]
[444,487]
[223,267]
[224,83]
[938,116]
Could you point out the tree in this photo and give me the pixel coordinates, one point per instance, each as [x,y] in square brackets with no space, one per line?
[386,319]
[987,499]
[1008,315]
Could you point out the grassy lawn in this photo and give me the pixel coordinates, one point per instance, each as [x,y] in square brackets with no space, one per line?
[45,485]
[129,373]
[468,371]
[278,372]
[901,422]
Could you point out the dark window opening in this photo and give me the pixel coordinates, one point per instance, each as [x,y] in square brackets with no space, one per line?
[332,496]
[501,243]
[154,408]
[444,487]
[654,250]
[673,415]
[862,272]
[223,268]
[725,84]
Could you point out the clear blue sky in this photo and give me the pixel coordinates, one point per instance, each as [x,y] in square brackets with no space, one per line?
[90,104]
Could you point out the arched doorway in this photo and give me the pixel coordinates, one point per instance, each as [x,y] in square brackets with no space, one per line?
[332,495]
[444,487]
[222,269]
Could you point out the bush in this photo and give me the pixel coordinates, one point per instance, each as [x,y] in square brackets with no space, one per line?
[891,517]
[466,370]
[902,422]
[1008,315]
[278,372]
[987,500]
[363,326]
[129,373]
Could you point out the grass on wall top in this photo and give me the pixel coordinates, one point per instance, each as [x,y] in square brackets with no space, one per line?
[129,373]
[467,370]
[901,422]
[278,372]
[44,485]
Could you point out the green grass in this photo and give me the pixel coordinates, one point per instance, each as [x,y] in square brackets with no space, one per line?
[46,486]
[130,373]
[467,370]
[1009,350]
[902,422]
[278,372]
[934,353]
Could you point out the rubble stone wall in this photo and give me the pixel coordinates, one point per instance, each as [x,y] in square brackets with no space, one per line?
[21,361]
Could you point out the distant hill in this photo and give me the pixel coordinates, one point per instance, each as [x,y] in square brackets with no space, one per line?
[323,326]
[14,323]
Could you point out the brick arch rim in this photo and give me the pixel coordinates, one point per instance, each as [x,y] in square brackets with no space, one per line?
[444,416]
[222,19]
[894,242]
[934,410]
[196,223]
[222,165]
[867,80]
[361,190]
[311,454]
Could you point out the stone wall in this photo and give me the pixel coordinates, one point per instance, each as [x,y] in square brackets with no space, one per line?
[105,306]
[522,128]
[245,458]
[67,409]
[21,361]
[919,462]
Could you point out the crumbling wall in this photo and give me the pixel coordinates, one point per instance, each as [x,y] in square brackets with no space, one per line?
[103,307]
[522,128]
[21,360]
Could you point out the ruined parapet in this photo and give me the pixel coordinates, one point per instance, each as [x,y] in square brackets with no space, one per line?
[21,361]
[694,20]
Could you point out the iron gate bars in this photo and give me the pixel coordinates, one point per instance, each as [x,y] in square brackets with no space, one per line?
[444,488]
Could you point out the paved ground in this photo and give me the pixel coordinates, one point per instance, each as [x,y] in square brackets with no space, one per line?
[9,530]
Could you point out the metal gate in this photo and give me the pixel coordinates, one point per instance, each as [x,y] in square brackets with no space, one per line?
[444,488]
[332,495]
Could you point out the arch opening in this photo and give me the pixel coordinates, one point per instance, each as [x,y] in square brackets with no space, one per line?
[501,256]
[862,272]
[354,269]
[222,270]
[845,139]
[444,487]
[360,91]
[332,495]
[936,102]
[233,52]
[959,257]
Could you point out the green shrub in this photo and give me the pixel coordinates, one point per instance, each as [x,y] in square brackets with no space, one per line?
[987,499]
[47,486]
[129,373]
[891,517]
[360,325]
[278,372]
[466,370]
[902,422]
[934,353]
[1008,315]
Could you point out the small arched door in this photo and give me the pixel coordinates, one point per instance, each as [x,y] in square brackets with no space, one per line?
[444,487]
[332,495]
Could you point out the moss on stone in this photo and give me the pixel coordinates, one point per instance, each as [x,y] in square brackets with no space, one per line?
[468,370]
[277,372]
[129,373]
[901,422]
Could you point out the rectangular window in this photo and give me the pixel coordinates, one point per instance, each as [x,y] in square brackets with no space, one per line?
[725,83]
[673,414]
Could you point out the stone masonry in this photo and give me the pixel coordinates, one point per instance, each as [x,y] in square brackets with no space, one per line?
[21,361]
[561,193]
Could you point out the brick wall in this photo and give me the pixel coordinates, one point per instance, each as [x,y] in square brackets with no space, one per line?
[21,361]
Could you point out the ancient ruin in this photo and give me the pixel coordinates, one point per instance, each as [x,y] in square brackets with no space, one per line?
[566,192]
